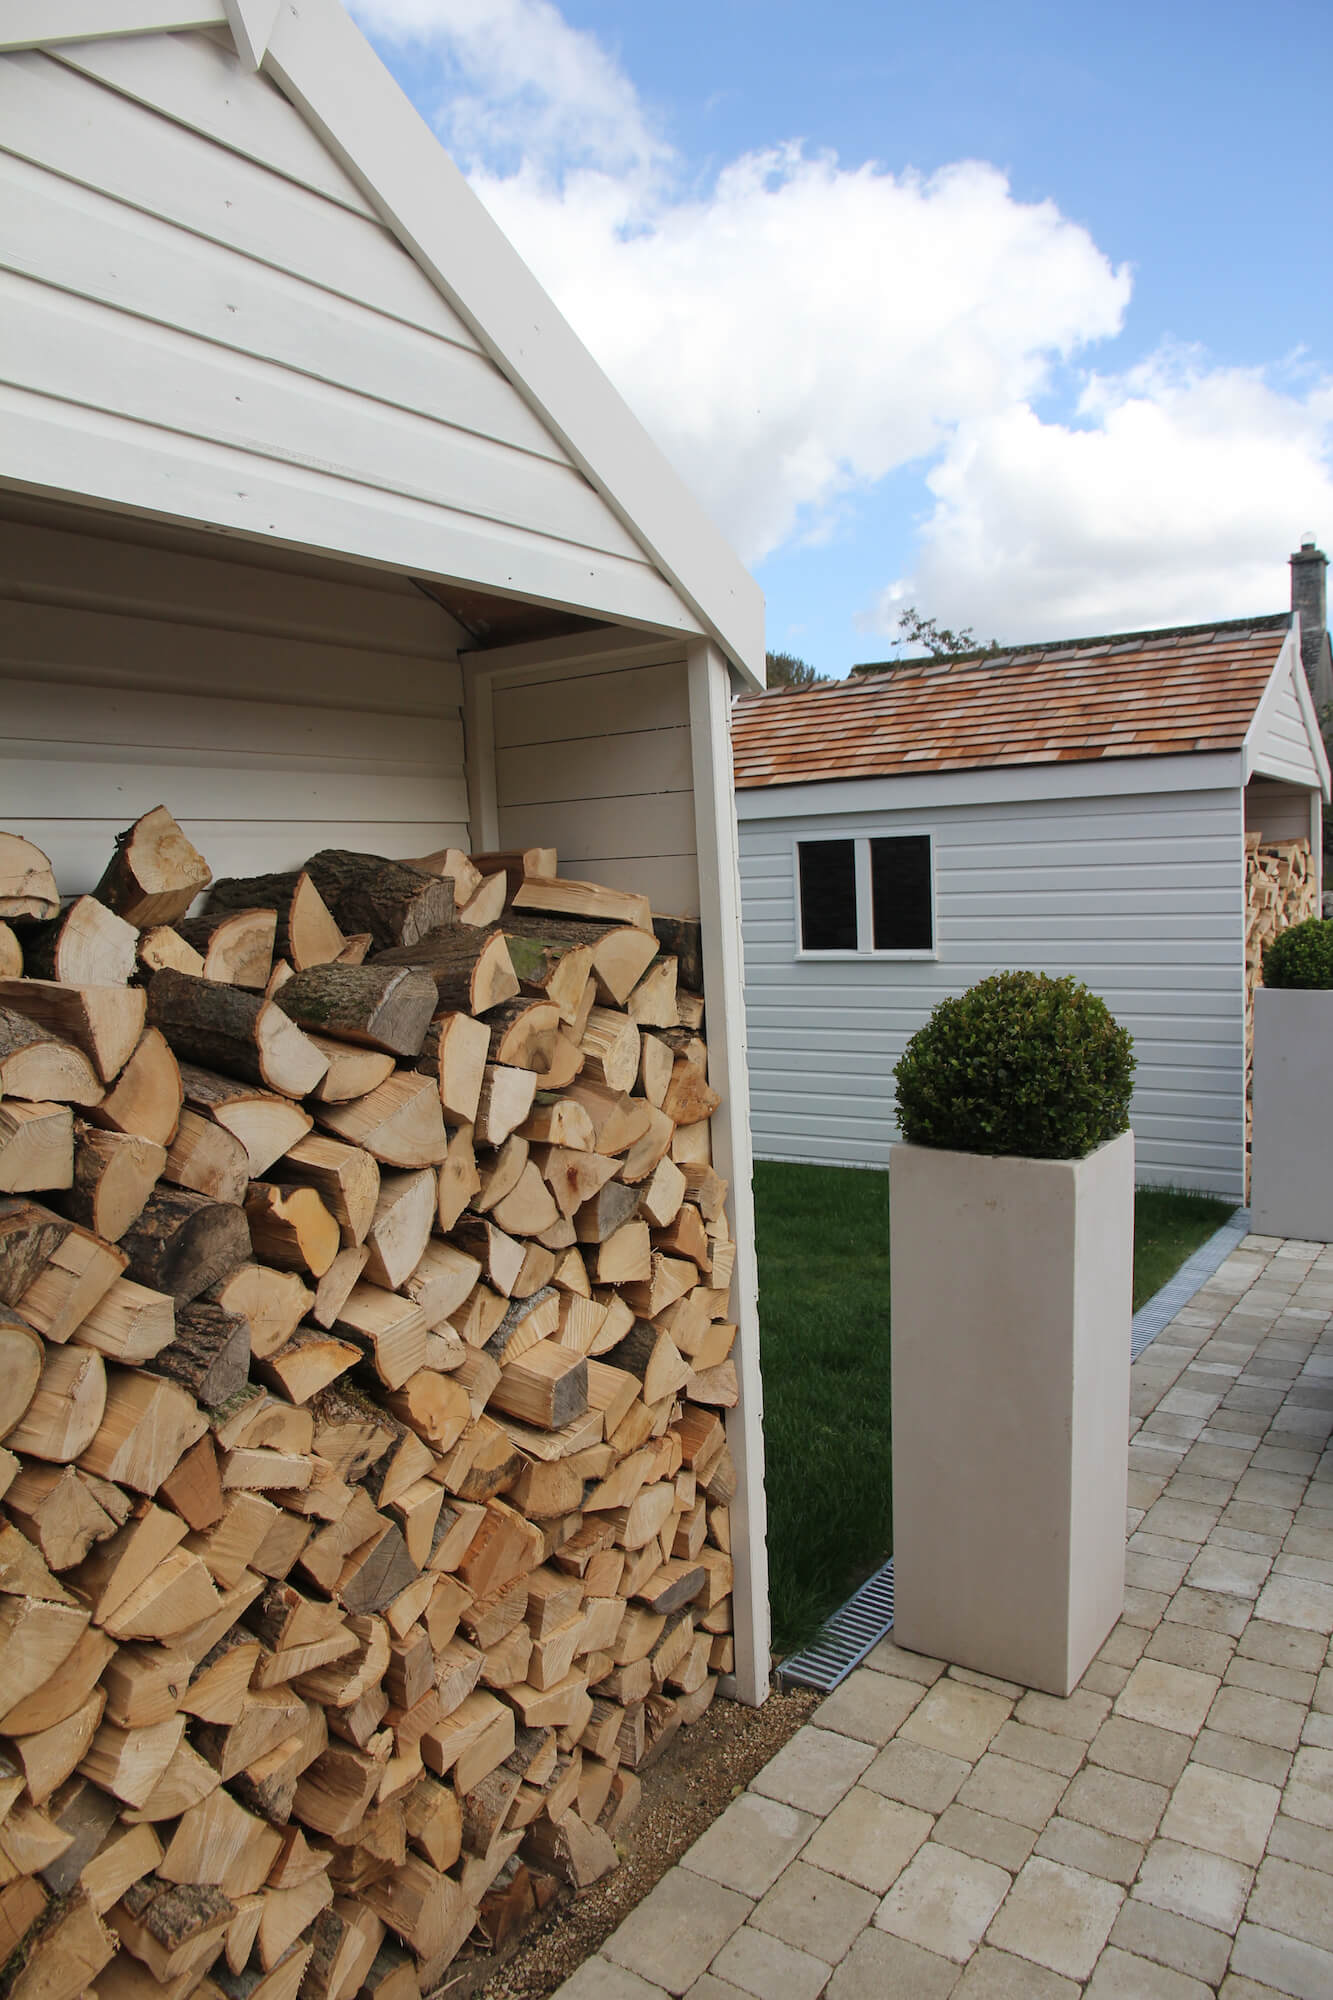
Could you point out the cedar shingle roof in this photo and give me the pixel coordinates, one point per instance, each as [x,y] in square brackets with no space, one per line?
[1135,694]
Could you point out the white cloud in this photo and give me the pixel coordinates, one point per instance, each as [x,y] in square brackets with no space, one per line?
[793,330]
[1177,498]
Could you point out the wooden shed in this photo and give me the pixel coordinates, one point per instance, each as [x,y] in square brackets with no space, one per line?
[1094,808]
[318,523]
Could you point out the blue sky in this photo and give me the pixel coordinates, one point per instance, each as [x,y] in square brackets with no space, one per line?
[1018,313]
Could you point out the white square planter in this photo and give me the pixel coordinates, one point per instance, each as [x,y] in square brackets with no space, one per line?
[1291,1156]
[1012,1287]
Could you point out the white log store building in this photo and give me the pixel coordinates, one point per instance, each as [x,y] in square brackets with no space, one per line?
[1080,808]
[319,525]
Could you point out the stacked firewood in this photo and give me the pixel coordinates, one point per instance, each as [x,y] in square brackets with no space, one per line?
[1280,889]
[364,1330]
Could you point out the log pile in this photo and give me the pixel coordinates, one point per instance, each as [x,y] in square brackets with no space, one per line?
[364,1349]
[1280,889]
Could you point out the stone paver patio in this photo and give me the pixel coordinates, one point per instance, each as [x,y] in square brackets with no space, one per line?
[1166,1833]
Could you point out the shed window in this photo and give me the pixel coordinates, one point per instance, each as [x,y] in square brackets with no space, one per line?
[867,895]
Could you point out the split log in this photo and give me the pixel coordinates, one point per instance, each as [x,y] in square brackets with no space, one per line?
[236,945]
[114,1174]
[35,1064]
[148,1426]
[182,1242]
[11,954]
[27,885]
[240,1033]
[506,1099]
[68,1405]
[146,1098]
[400,1123]
[652,1004]
[21,1356]
[397,904]
[377,1006]
[610,1045]
[76,1278]
[154,874]
[306,933]
[265,1124]
[36,1147]
[589,901]
[105,1022]
[454,1053]
[459,867]
[162,946]
[273,1302]
[207,1159]
[555,968]
[291,1227]
[352,1071]
[401,1226]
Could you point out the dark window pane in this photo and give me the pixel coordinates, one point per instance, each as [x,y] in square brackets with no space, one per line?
[900,893]
[828,895]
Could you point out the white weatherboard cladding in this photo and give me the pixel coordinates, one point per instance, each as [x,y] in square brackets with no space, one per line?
[1139,895]
[204,319]
[597,764]
[275,712]
[1278,812]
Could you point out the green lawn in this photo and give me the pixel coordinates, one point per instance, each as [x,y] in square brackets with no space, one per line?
[823,1239]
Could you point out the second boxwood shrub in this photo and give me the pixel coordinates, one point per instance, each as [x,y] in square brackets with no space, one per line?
[1021,1063]
[1302,955]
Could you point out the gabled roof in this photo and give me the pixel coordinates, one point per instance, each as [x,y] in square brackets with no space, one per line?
[318,59]
[1134,694]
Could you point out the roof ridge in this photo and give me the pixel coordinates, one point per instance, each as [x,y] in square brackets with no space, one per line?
[1259,622]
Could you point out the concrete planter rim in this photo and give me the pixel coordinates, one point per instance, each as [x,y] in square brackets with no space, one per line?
[1020,1159]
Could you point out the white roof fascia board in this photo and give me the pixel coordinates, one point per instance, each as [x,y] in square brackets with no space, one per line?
[251,23]
[1203,771]
[322,62]
[1287,668]
[45,24]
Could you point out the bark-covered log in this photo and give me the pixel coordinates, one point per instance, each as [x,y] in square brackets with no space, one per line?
[396,903]
[378,1006]
[42,1067]
[682,939]
[210,1354]
[182,1242]
[471,968]
[239,1033]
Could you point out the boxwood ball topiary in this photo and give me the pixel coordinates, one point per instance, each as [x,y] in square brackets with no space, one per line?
[1302,955]
[1021,1063]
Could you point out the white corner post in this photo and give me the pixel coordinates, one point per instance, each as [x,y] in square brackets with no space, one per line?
[724,997]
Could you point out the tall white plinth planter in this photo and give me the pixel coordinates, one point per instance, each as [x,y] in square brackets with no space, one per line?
[1011,1287]
[1291,1153]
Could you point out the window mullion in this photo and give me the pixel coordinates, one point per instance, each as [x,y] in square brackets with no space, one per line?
[865,913]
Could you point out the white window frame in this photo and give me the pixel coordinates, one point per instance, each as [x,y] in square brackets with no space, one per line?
[865,912]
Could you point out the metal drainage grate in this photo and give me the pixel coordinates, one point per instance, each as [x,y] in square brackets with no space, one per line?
[849,1635]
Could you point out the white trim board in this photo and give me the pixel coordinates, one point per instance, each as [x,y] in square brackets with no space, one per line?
[1116,777]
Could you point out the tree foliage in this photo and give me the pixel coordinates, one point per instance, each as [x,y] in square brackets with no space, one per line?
[789,671]
[940,641]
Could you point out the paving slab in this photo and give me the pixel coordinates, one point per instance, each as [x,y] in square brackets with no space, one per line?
[813,1769]
[759,1963]
[815,1911]
[943,1901]
[748,1848]
[676,1930]
[1165,1832]
[879,1967]
[1210,1888]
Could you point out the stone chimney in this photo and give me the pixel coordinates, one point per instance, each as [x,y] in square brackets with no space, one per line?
[1309,596]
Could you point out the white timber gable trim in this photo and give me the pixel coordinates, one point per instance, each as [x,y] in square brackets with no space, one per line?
[1284,739]
[546,488]
[45,24]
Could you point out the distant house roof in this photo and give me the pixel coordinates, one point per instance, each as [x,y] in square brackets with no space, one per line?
[1134,694]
